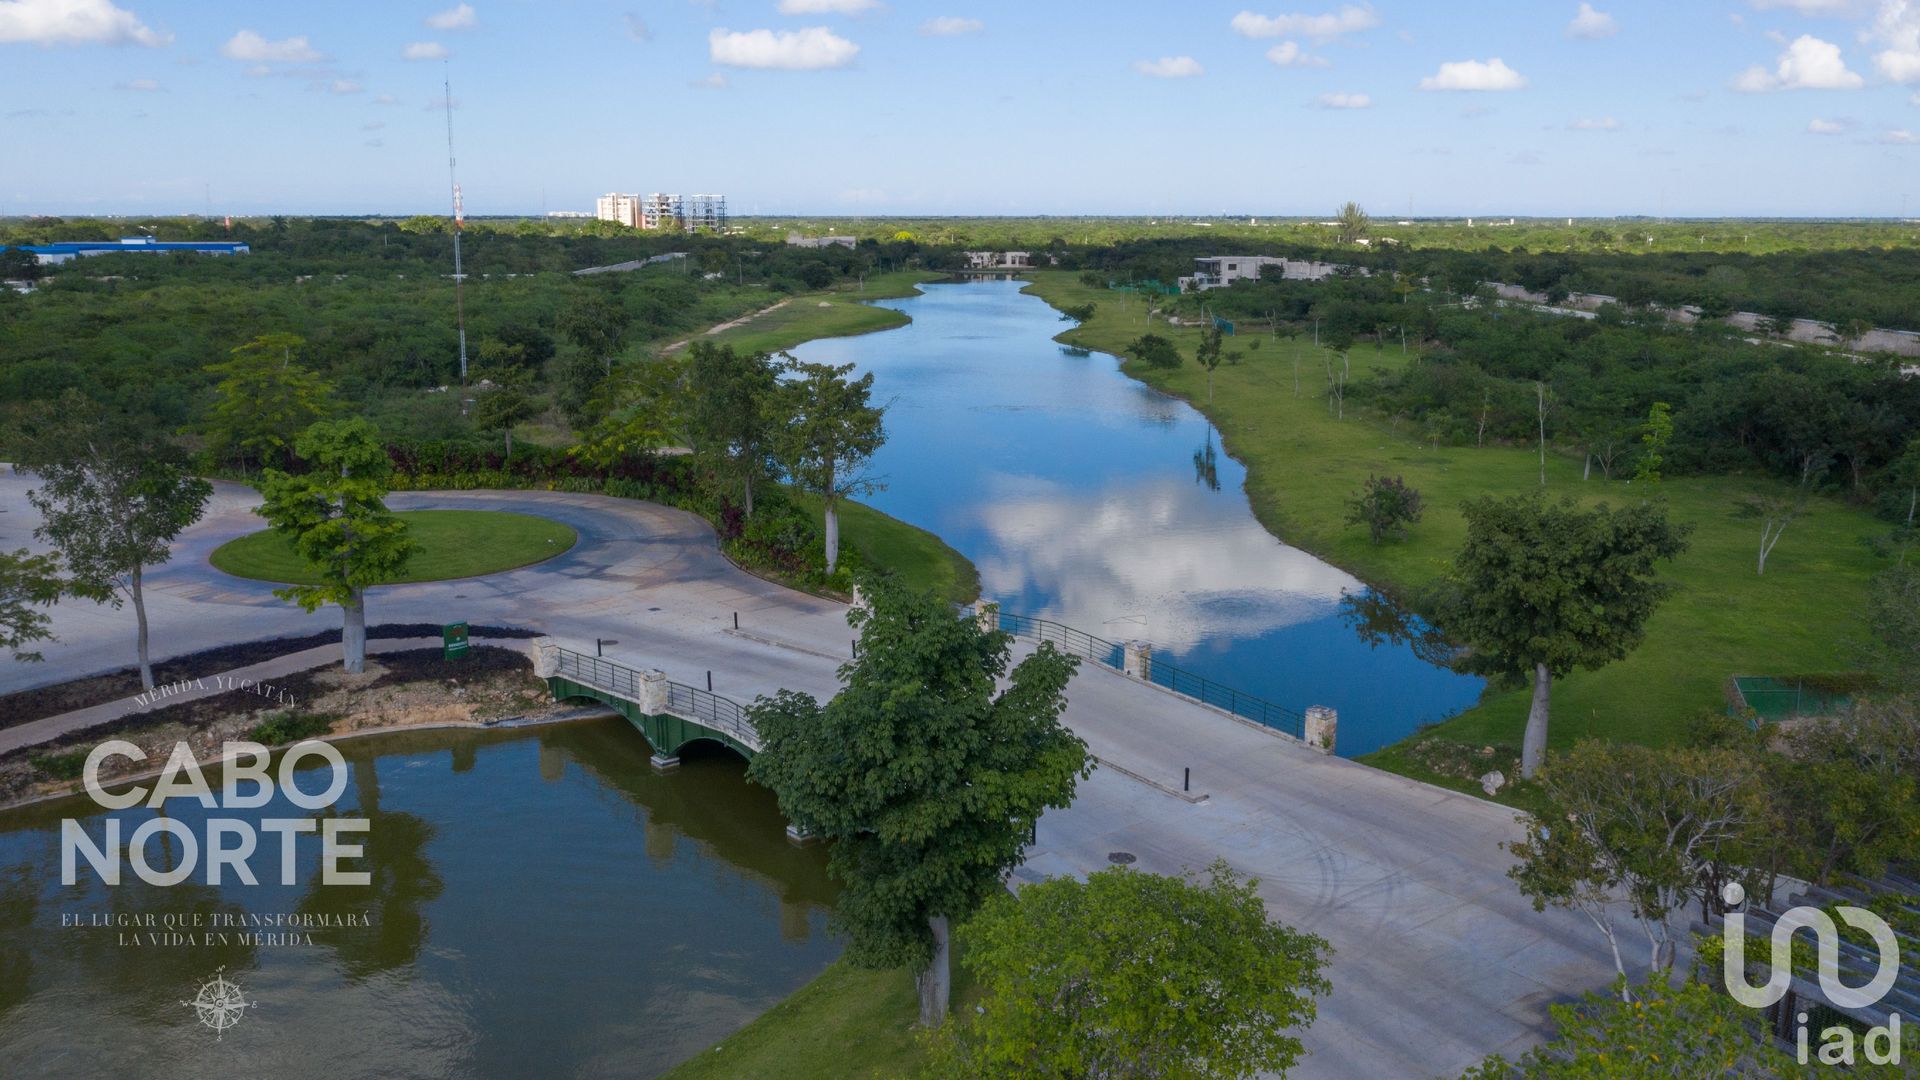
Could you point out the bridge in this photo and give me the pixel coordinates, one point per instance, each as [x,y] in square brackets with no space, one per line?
[670,714]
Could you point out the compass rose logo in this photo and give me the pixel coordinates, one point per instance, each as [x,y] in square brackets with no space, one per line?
[221,1003]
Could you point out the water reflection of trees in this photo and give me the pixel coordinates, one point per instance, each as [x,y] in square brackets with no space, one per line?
[401,881]
[19,904]
[1380,619]
[1206,465]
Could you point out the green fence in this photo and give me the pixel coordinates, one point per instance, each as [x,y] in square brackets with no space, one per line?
[1775,699]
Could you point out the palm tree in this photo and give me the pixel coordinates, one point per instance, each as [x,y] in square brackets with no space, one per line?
[1353,222]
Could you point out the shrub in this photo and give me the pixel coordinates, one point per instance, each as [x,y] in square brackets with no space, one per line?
[1386,506]
[290,727]
[67,766]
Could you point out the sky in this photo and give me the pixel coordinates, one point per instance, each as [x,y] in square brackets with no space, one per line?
[965,107]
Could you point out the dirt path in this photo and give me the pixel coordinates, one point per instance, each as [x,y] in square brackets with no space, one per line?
[741,321]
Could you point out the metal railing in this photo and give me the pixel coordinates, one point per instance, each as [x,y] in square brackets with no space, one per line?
[704,707]
[1160,672]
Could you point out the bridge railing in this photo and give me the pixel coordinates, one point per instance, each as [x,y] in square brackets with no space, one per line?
[1160,672]
[704,707]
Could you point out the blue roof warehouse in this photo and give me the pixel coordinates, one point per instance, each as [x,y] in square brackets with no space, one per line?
[62,252]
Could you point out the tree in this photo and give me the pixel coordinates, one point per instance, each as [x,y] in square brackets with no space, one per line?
[1905,473]
[1653,827]
[1543,589]
[1653,442]
[1774,512]
[112,498]
[1130,974]
[263,400]
[831,433]
[730,411]
[927,782]
[1850,793]
[1893,613]
[1209,356]
[1154,351]
[1352,223]
[336,521]
[502,407]
[1386,505]
[27,582]
[596,323]
[1661,1029]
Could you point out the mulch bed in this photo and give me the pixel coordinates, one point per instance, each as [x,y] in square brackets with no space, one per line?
[44,701]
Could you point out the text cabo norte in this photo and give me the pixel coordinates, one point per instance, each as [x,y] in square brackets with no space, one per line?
[230,841]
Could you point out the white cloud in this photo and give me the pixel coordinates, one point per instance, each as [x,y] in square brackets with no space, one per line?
[1592,25]
[140,86]
[1290,54]
[949,25]
[461,17]
[1348,20]
[388,99]
[73,22]
[249,45]
[1817,126]
[344,86]
[1898,27]
[1899,137]
[637,29]
[1808,64]
[811,49]
[373,125]
[1338,100]
[1170,67]
[1603,123]
[1809,7]
[715,81]
[828,7]
[425,50]
[1493,74]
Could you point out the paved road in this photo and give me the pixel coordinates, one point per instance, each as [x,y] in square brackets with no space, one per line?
[1438,960]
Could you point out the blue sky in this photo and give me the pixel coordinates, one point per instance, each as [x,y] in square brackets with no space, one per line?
[1761,107]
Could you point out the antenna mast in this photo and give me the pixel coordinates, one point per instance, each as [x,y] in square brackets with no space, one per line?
[459,222]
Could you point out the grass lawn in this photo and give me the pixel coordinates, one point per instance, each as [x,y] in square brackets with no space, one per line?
[453,544]
[834,313]
[847,1024]
[887,543]
[1303,464]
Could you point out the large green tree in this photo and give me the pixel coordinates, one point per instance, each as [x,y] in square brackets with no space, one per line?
[1543,588]
[831,431]
[926,781]
[1130,974]
[335,518]
[28,583]
[113,495]
[730,412]
[263,400]
[596,323]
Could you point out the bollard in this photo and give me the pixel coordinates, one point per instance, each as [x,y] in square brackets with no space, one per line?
[736,620]
[1186,778]
[709,682]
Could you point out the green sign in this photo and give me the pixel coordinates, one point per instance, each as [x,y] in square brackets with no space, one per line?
[453,640]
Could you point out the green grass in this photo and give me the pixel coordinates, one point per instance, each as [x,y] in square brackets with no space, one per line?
[453,544]
[1302,466]
[834,313]
[847,1024]
[886,543]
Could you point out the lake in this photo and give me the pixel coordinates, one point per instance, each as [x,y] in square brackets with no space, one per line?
[1087,497]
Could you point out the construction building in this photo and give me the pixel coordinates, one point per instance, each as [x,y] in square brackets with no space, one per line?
[688,213]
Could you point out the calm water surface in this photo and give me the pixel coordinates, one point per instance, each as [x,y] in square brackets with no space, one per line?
[542,904]
[1087,497]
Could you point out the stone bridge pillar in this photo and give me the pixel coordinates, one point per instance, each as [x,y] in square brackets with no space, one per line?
[1136,659]
[987,613]
[546,657]
[653,702]
[1322,725]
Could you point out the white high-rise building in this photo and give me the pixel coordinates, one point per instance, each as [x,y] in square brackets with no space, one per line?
[624,209]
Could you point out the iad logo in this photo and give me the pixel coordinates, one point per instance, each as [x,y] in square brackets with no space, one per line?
[1836,1042]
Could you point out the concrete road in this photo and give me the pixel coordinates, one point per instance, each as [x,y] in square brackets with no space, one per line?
[1438,960]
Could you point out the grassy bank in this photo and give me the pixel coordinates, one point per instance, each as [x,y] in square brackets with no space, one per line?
[847,1024]
[1303,464]
[834,313]
[891,545]
[453,544]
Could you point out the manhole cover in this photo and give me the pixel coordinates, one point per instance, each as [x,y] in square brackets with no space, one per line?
[1120,858]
